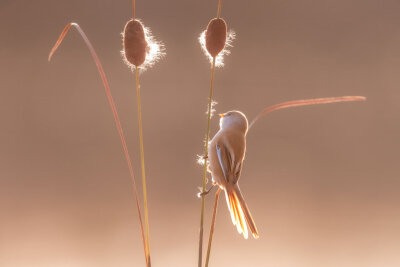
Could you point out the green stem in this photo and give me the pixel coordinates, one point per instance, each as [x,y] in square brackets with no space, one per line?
[212,226]
[205,164]
[146,213]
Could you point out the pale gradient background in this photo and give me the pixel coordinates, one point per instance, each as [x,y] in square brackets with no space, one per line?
[322,182]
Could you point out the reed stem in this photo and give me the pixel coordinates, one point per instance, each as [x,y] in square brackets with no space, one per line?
[306,102]
[206,163]
[219,8]
[212,226]
[133,8]
[146,213]
[114,111]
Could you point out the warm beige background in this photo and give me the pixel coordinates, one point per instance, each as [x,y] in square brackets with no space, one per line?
[322,182]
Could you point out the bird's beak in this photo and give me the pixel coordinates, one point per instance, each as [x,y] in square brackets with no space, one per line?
[222,115]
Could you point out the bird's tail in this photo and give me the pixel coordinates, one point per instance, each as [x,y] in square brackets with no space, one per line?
[240,214]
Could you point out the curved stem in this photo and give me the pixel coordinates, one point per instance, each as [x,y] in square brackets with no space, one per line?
[114,111]
[306,102]
[212,226]
[146,213]
[205,163]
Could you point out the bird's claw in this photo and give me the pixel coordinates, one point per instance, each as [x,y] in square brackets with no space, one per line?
[206,192]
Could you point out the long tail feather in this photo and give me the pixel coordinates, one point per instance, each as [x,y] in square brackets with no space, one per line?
[229,204]
[236,221]
[241,203]
[240,214]
[241,217]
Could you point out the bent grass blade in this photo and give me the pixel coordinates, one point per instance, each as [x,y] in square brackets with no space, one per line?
[306,102]
[113,109]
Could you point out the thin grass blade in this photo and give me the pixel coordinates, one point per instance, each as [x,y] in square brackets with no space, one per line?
[212,227]
[306,102]
[114,111]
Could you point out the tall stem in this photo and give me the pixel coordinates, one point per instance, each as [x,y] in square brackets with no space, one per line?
[212,226]
[219,8]
[146,213]
[114,111]
[205,163]
[133,8]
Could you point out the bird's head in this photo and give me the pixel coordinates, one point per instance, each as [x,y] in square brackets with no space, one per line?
[233,120]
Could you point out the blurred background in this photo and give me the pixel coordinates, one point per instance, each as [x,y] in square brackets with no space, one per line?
[322,182]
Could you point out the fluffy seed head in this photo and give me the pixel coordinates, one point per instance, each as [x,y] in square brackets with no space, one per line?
[135,44]
[141,49]
[215,41]
[216,36]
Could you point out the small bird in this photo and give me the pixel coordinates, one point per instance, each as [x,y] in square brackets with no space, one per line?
[226,154]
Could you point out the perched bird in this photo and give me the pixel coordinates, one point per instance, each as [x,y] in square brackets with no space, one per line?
[226,154]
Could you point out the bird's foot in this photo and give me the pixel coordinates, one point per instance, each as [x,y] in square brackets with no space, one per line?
[206,192]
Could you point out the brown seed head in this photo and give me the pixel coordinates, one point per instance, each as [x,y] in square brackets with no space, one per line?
[216,36]
[135,44]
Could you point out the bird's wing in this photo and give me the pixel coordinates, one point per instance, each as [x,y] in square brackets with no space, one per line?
[225,160]
[237,171]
